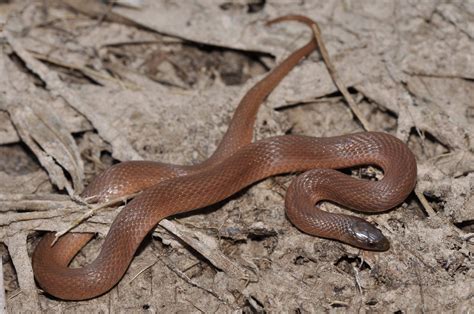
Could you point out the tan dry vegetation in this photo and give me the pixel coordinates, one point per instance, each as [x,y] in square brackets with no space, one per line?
[84,85]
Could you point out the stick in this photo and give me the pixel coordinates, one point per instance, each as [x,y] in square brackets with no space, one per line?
[336,79]
[350,101]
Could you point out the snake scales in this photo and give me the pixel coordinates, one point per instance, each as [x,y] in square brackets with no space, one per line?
[171,189]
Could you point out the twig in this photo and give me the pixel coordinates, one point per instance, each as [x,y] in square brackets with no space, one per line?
[163,40]
[190,266]
[189,280]
[15,293]
[92,212]
[213,255]
[294,102]
[336,79]
[467,237]
[141,271]
[339,303]
[350,101]
[424,202]
[357,280]
[194,305]
[253,303]
[439,219]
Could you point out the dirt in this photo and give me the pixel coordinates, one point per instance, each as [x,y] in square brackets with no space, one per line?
[85,85]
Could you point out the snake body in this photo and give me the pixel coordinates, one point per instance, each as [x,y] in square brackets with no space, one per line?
[237,163]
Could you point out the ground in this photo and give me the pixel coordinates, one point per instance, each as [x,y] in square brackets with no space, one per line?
[84,85]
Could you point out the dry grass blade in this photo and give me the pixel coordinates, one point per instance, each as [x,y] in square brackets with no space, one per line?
[189,280]
[350,101]
[337,79]
[213,255]
[91,212]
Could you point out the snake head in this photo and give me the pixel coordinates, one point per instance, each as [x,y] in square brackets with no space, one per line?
[366,236]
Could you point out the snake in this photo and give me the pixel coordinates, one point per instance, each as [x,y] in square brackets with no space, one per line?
[238,162]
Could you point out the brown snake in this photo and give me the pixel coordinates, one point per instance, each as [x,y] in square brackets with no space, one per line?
[237,163]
